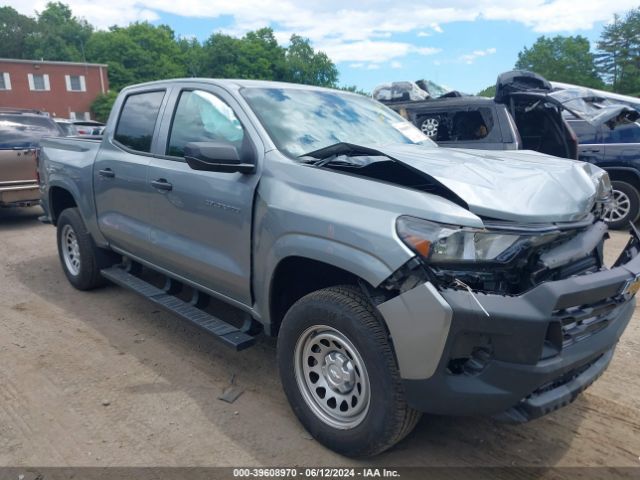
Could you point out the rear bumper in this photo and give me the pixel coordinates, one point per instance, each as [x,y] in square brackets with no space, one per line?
[19,195]
[532,353]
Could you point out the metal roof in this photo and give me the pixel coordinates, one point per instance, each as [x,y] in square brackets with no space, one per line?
[51,62]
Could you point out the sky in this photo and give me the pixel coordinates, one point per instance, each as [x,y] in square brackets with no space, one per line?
[461,44]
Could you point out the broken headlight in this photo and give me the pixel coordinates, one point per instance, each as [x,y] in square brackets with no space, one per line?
[447,244]
[604,192]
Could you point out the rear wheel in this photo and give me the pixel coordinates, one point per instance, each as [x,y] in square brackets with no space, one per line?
[625,206]
[339,373]
[81,259]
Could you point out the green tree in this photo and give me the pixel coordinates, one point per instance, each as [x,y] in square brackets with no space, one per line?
[191,56]
[257,55]
[618,57]
[487,92]
[563,59]
[15,31]
[354,89]
[137,53]
[305,65]
[101,106]
[59,35]
[143,52]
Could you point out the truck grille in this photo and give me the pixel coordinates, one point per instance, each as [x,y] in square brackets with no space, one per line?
[581,322]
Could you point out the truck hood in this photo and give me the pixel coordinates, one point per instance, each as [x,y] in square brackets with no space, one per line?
[519,186]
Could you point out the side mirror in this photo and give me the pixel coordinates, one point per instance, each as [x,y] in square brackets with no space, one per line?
[217,157]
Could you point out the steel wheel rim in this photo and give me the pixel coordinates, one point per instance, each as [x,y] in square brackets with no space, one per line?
[70,250]
[620,207]
[332,377]
[430,127]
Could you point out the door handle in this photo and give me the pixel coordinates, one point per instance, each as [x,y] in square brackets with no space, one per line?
[106,173]
[162,184]
[592,150]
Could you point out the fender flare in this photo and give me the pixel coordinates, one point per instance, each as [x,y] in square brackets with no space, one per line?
[85,205]
[63,185]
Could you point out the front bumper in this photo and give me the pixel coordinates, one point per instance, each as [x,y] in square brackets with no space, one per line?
[528,354]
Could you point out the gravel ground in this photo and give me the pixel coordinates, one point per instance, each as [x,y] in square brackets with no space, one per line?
[103,378]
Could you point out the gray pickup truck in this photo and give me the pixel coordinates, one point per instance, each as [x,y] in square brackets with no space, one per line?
[398,277]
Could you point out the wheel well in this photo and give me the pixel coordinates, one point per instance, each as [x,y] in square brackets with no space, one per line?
[626,176]
[60,199]
[295,277]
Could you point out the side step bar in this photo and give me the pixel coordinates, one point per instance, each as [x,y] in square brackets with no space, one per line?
[229,335]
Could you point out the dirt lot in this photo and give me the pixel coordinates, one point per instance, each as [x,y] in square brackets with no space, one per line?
[104,378]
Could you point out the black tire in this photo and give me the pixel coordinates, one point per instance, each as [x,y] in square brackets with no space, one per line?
[388,418]
[627,193]
[91,258]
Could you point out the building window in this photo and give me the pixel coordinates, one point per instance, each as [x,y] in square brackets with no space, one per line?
[75,83]
[5,81]
[39,82]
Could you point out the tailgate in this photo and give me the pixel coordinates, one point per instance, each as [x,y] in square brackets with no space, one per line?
[18,165]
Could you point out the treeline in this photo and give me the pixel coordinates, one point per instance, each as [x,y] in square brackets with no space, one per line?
[614,66]
[142,52]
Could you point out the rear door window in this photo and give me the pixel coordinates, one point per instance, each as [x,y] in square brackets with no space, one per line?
[586,133]
[458,125]
[471,125]
[138,120]
[628,133]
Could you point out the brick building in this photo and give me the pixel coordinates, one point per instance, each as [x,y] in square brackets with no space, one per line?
[64,89]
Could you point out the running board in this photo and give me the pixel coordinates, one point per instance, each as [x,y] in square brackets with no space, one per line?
[229,335]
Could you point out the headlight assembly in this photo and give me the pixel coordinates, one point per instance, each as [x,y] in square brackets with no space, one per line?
[446,244]
[604,192]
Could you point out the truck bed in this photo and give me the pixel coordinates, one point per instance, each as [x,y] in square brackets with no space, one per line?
[17,166]
[67,162]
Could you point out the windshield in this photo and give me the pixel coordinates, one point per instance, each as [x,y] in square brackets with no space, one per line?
[68,130]
[301,121]
[25,130]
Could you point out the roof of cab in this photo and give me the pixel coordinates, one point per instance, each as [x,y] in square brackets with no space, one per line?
[233,84]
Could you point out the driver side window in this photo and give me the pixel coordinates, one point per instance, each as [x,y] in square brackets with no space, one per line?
[202,117]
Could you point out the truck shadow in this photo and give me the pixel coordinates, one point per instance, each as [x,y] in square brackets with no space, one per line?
[18,218]
[188,361]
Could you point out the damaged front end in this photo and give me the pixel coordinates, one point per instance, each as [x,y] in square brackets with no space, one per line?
[509,320]
[502,258]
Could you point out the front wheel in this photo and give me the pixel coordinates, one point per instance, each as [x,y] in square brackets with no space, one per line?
[624,207]
[339,373]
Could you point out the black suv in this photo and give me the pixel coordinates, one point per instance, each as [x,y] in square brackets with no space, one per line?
[618,152]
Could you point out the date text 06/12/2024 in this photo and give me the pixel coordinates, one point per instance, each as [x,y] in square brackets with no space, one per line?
[315,473]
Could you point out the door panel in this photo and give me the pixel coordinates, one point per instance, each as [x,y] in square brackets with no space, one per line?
[590,145]
[122,199]
[120,174]
[622,145]
[201,226]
